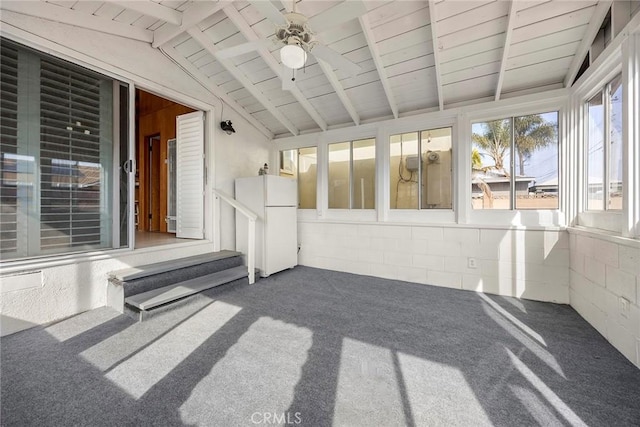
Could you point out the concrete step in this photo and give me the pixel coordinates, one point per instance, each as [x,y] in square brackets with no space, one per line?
[134,273]
[151,299]
[129,282]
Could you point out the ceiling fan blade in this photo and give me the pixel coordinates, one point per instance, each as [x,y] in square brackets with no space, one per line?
[234,51]
[345,11]
[336,60]
[287,78]
[241,49]
[269,11]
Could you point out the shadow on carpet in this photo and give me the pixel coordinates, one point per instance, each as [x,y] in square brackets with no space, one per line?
[314,347]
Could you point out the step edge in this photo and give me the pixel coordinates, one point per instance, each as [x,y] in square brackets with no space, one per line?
[190,292]
[133,273]
[234,273]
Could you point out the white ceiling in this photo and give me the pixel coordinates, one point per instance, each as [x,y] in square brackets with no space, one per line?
[414,55]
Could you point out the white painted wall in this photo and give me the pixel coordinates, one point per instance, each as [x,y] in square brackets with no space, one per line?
[238,155]
[79,284]
[64,286]
[605,272]
[531,264]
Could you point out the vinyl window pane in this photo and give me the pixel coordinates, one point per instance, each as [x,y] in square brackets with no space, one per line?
[595,154]
[289,163]
[536,161]
[12,165]
[307,166]
[490,165]
[339,185]
[615,144]
[436,149]
[364,173]
[403,171]
[56,154]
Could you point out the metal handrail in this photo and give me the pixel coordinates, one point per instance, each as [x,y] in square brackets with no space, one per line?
[251,235]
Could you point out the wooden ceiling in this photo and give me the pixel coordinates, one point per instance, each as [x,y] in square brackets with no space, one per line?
[414,55]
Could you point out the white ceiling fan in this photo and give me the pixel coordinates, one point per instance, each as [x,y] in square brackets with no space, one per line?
[294,32]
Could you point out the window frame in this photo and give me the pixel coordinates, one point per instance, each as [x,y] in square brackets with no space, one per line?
[605,93]
[351,169]
[459,118]
[421,171]
[297,174]
[591,83]
[434,120]
[513,196]
[523,217]
[323,211]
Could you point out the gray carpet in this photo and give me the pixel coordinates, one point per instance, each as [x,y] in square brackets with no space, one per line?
[313,347]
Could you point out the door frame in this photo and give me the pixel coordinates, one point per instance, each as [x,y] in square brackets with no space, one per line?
[212,231]
[152,183]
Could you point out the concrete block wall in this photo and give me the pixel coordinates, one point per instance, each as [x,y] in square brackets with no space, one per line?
[42,293]
[605,289]
[532,264]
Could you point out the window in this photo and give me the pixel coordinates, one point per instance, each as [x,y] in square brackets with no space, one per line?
[604,149]
[420,170]
[514,163]
[57,156]
[352,171]
[302,164]
[339,175]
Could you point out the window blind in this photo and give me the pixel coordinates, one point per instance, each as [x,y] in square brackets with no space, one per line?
[71,172]
[56,155]
[8,149]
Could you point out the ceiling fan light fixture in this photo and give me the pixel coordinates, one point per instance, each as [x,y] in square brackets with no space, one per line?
[293,56]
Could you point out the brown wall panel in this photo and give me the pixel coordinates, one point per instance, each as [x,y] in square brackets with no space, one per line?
[155,116]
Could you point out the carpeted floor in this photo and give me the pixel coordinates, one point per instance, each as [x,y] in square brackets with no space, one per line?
[313,347]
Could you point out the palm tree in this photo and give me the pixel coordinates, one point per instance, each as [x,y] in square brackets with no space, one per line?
[532,133]
[476,159]
[496,141]
[476,177]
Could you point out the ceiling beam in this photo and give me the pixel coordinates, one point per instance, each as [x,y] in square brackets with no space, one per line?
[601,10]
[208,44]
[275,66]
[436,51]
[375,54]
[78,19]
[199,76]
[198,12]
[155,10]
[337,87]
[505,50]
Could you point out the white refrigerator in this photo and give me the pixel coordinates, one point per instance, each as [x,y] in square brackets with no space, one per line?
[275,200]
